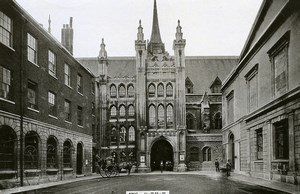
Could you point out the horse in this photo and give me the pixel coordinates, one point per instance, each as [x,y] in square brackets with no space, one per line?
[125,165]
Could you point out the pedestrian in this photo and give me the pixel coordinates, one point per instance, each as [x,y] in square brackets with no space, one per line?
[217,165]
[228,168]
[161,166]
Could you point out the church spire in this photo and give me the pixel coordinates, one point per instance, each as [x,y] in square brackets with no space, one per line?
[155,45]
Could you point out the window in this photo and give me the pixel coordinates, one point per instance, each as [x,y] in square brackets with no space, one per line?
[67,110]
[190,121]
[169,115]
[32,95]
[7,148]
[67,75]
[160,90]
[131,134]
[122,135]
[93,108]
[206,154]
[67,154]
[122,91]
[216,86]
[151,90]
[152,116]
[113,136]
[52,103]
[113,111]
[113,91]
[259,144]
[218,120]
[52,153]
[194,154]
[79,116]
[79,84]
[281,140]
[5,83]
[169,90]
[52,63]
[5,30]
[230,106]
[279,58]
[161,116]
[122,111]
[31,49]
[252,84]
[131,111]
[130,91]
[31,151]
[188,86]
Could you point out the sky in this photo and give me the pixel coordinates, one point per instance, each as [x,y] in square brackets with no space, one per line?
[210,27]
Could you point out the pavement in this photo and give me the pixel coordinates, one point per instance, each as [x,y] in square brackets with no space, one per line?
[284,187]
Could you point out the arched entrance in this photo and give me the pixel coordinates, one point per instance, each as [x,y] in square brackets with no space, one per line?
[231,150]
[162,151]
[79,158]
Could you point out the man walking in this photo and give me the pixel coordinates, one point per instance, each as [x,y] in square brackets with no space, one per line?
[228,168]
[217,164]
[161,166]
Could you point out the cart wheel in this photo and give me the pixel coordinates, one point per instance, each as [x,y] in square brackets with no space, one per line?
[114,171]
[102,172]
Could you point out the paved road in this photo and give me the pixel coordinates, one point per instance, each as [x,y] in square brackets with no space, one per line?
[176,184]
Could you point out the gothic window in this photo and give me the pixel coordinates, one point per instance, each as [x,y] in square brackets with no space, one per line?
[67,154]
[113,91]
[194,154]
[190,121]
[281,140]
[188,86]
[170,115]
[31,152]
[259,144]
[206,154]
[7,148]
[160,90]
[122,135]
[113,111]
[113,136]
[169,90]
[131,134]
[122,91]
[52,153]
[130,110]
[152,116]
[161,116]
[151,91]
[130,91]
[218,120]
[122,111]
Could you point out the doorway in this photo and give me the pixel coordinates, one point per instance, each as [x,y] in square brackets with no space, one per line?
[79,158]
[231,153]
[162,151]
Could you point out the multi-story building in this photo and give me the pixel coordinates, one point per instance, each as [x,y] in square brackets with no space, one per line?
[159,108]
[261,97]
[47,102]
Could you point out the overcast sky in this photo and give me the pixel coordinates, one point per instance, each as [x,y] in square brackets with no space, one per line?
[210,27]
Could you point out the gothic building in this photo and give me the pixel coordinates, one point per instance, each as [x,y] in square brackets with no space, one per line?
[155,107]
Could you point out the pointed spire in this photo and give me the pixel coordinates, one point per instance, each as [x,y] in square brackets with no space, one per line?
[140,34]
[49,24]
[102,53]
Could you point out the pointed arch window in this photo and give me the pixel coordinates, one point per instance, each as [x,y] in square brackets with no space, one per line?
[169,90]
[122,111]
[160,90]
[113,91]
[161,116]
[130,110]
[194,154]
[113,111]
[31,152]
[190,121]
[130,91]
[170,115]
[152,116]
[151,91]
[122,135]
[122,91]
[218,121]
[113,136]
[206,154]
[131,134]
[52,153]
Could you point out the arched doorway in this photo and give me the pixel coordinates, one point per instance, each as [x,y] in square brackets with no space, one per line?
[162,151]
[79,158]
[231,150]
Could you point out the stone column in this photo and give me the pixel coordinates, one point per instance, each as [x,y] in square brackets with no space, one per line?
[269,147]
[292,170]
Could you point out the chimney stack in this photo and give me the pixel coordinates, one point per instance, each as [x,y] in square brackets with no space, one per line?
[67,36]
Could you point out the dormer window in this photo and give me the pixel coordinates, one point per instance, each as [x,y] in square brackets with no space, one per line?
[188,86]
[215,86]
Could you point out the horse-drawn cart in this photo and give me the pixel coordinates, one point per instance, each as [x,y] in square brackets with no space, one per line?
[108,168]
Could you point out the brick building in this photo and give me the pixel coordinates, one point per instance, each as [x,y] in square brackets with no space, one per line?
[261,97]
[156,107]
[47,102]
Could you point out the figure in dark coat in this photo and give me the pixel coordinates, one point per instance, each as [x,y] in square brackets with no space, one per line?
[228,168]
[217,165]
